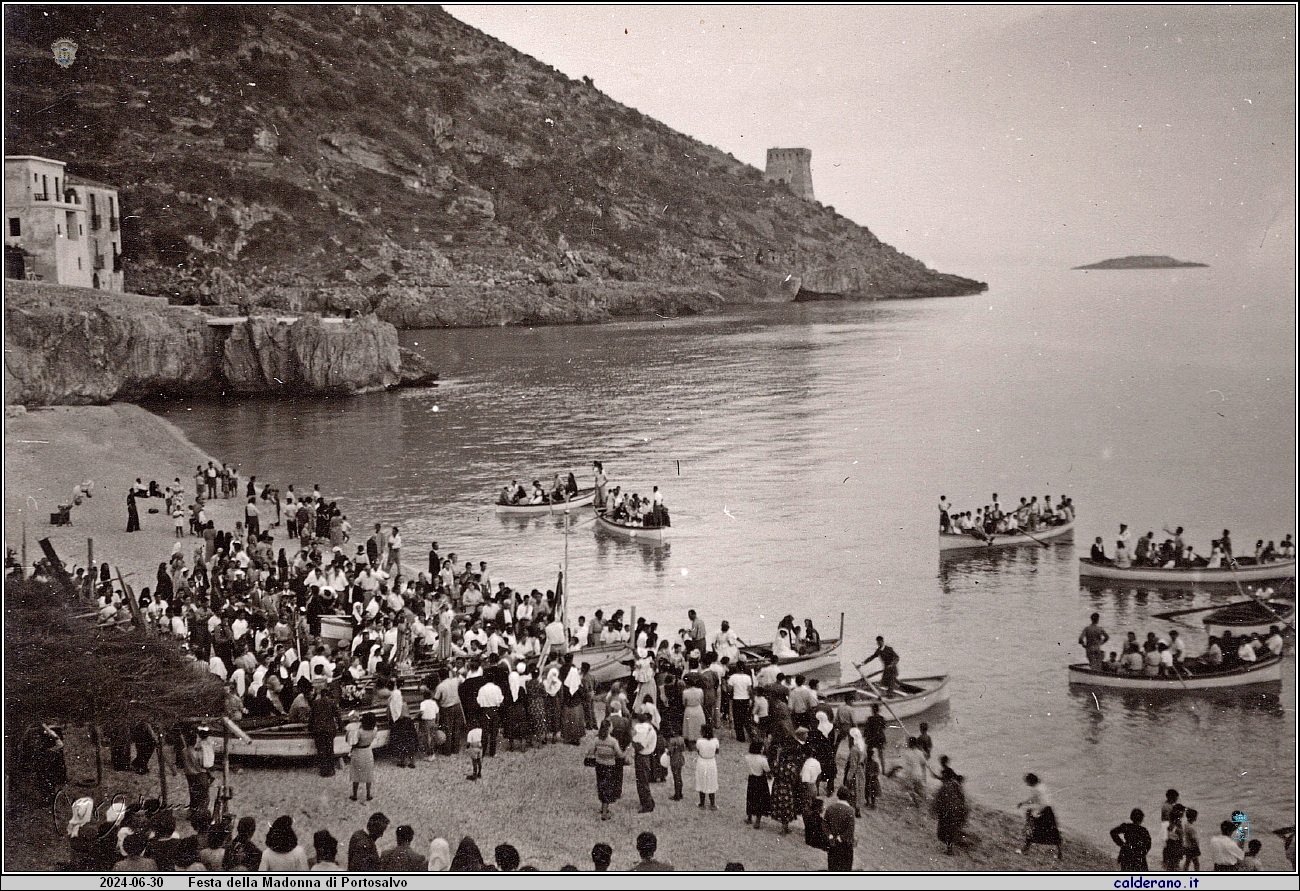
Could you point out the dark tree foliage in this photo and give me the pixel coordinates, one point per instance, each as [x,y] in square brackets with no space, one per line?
[65,670]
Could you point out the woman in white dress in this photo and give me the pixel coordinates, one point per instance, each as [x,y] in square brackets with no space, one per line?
[706,767]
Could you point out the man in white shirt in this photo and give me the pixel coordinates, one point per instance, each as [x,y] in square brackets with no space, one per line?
[1224,852]
[490,698]
[557,641]
[1275,642]
[739,684]
[644,742]
[1246,652]
[769,673]
[429,723]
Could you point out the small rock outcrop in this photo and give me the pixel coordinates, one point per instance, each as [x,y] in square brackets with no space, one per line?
[73,346]
[265,356]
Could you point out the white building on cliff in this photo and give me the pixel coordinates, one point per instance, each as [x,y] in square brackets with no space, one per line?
[60,229]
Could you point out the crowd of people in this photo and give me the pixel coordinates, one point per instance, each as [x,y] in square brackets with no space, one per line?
[1178,839]
[1029,516]
[147,837]
[1166,657]
[1175,552]
[630,509]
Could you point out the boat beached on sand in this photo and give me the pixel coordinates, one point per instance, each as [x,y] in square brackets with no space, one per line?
[1188,575]
[1196,677]
[962,541]
[914,696]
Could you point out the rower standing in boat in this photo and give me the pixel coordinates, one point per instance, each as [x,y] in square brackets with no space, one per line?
[602,482]
[1092,639]
[889,659]
[945,522]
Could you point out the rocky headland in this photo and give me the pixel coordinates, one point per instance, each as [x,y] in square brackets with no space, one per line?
[393,160]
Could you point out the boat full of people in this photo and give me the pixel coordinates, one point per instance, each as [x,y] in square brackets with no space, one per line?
[912,696]
[1175,561]
[798,651]
[1029,523]
[1195,676]
[631,516]
[562,494]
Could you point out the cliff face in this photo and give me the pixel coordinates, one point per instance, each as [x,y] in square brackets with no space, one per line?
[264,356]
[393,159]
[69,346]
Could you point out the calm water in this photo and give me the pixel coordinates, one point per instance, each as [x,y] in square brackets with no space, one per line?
[802,450]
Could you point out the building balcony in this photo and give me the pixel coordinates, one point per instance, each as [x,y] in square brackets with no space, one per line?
[112,224]
[96,221]
[40,197]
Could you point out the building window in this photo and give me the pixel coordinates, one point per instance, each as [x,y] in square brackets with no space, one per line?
[57,194]
[45,187]
[15,226]
[71,220]
[78,264]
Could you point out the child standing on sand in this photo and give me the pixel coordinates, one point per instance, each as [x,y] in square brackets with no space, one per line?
[178,517]
[474,749]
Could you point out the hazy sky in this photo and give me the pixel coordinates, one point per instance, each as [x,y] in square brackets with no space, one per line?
[974,137]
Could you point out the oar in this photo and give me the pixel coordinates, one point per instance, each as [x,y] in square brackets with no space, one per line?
[1232,565]
[879,695]
[1184,612]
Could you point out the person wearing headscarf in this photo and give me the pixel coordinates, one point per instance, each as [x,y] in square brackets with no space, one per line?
[468,857]
[514,721]
[403,738]
[535,691]
[552,685]
[573,724]
[823,749]
[855,773]
[81,837]
[949,807]
[439,855]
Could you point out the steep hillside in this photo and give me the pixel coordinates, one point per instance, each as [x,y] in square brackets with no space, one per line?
[396,159]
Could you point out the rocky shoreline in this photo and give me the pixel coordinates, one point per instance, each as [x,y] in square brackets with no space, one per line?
[75,346]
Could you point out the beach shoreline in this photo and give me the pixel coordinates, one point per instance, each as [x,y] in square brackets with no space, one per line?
[48,451]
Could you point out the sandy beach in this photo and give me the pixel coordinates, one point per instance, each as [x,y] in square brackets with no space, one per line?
[542,802]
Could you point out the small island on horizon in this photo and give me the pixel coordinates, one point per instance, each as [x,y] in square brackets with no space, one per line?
[1142,261]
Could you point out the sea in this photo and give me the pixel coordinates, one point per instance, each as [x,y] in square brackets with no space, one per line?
[802,450]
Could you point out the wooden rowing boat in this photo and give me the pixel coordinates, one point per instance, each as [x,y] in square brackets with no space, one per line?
[582,499]
[965,542]
[337,628]
[292,740]
[651,534]
[1153,575]
[823,665]
[1250,617]
[1265,671]
[914,696]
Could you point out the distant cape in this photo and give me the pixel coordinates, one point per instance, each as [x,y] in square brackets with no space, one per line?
[1142,261]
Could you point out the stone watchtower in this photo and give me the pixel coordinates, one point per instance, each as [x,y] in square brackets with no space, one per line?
[792,166]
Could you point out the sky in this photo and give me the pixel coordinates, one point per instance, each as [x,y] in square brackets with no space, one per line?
[977,136]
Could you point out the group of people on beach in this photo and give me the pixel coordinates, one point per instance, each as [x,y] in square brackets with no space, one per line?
[1176,553]
[1158,657]
[1027,517]
[144,836]
[1179,842]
